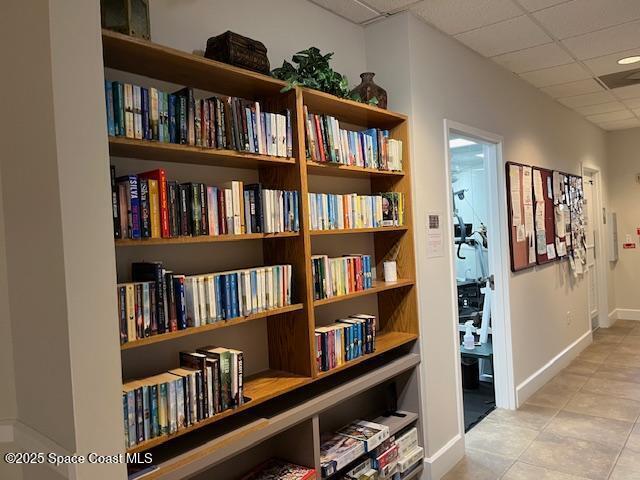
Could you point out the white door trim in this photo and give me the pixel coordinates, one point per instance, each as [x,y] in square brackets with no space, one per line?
[601,250]
[498,263]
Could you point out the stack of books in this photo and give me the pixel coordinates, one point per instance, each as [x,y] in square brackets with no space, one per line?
[216,122]
[328,211]
[372,148]
[345,340]
[160,301]
[381,456]
[209,381]
[276,469]
[334,277]
[147,205]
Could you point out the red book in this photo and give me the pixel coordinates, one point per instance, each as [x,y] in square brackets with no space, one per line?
[320,138]
[160,175]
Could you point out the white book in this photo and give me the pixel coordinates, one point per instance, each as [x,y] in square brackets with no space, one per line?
[212,208]
[282,136]
[266,210]
[246,282]
[146,308]
[137,112]
[211,298]
[202,298]
[209,373]
[280,200]
[259,128]
[263,289]
[154,112]
[269,287]
[228,206]
[192,398]
[172,409]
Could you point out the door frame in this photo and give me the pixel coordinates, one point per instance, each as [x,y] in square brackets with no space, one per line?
[498,261]
[600,248]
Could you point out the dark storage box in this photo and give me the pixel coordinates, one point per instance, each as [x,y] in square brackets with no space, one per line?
[239,51]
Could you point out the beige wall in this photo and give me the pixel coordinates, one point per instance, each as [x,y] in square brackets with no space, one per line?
[624,195]
[449,81]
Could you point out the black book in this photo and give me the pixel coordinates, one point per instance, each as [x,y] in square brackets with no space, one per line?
[196,211]
[122,313]
[139,310]
[173,206]
[184,191]
[204,215]
[139,415]
[145,209]
[198,361]
[153,310]
[186,115]
[153,272]
[255,191]
[115,205]
[171,301]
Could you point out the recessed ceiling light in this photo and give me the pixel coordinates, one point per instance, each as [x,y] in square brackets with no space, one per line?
[460,142]
[629,60]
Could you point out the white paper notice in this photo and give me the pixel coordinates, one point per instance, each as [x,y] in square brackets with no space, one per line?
[520,233]
[541,241]
[540,214]
[434,236]
[538,191]
[532,248]
[561,248]
[551,251]
[528,219]
[516,202]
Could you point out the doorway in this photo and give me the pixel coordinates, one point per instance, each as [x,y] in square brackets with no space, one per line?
[480,272]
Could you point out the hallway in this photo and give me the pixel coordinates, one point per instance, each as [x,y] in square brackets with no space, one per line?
[583,424]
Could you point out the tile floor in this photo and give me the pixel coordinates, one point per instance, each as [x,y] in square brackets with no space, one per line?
[583,424]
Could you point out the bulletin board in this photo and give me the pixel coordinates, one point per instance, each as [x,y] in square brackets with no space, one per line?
[578,254]
[521,216]
[544,215]
[562,215]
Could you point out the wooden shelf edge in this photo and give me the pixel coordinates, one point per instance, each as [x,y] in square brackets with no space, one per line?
[259,388]
[202,239]
[378,286]
[178,153]
[346,231]
[339,169]
[352,104]
[385,342]
[164,337]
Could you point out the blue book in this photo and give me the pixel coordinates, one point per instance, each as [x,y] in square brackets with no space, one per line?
[217,281]
[289,134]
[126,419]
[181,310]
[146,406]
[108,94]
[267,131]
[247,112]
[153,410]
[235,310]
[254,291]
[171,112]
[131,417]
[227,296]
[134,199]
[164,122]
[146,124]
[118,108]
[255,125]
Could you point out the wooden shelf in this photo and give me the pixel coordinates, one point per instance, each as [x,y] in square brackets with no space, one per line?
[202,239]
[259,388]
[175,153]
[378,286]
[143,57]
[164,337]
[340,170]
[347,231]
[350,111]
[385,341]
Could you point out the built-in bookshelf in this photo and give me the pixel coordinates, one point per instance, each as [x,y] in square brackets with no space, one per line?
[290,330]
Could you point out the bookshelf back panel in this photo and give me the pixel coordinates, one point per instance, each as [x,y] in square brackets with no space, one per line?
[250,338]
[328,314]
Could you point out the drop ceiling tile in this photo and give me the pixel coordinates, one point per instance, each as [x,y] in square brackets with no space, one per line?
[601,108]
[507,36]
[349,9]
[609,63]
[386,6]
[556,75]
[604,42]
[632,103]
[574,88]
[582,16]
[533,5]
[610,117]
[457,16]
[620,124]
[535,58]
[632,91]
[588,99]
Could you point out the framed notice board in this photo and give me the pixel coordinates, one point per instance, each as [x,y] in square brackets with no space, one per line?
[562,216]
[544,215]
[522,241]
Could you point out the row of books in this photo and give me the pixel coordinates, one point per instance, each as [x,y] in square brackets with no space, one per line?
[394,458]
[372,148]
[340,276]
[328,211]
[159,300]
[147,205]
[277,469]
[216,122]
[345,340]
[209,381]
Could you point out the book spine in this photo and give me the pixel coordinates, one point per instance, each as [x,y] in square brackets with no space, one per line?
[181,312]
[139,415]
[108,94]
[185,210]
[146,123]
[171,302]
[122,313]
[145,211]
[131,417]
[172,120]
[153,410]
[118,109]
[128,110]
[204,213]
[115,204]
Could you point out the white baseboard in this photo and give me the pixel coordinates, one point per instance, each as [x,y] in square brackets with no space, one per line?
[551,369]
[445,459]
[625,314]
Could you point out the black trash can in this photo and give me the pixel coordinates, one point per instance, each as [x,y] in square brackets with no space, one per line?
[470,373]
